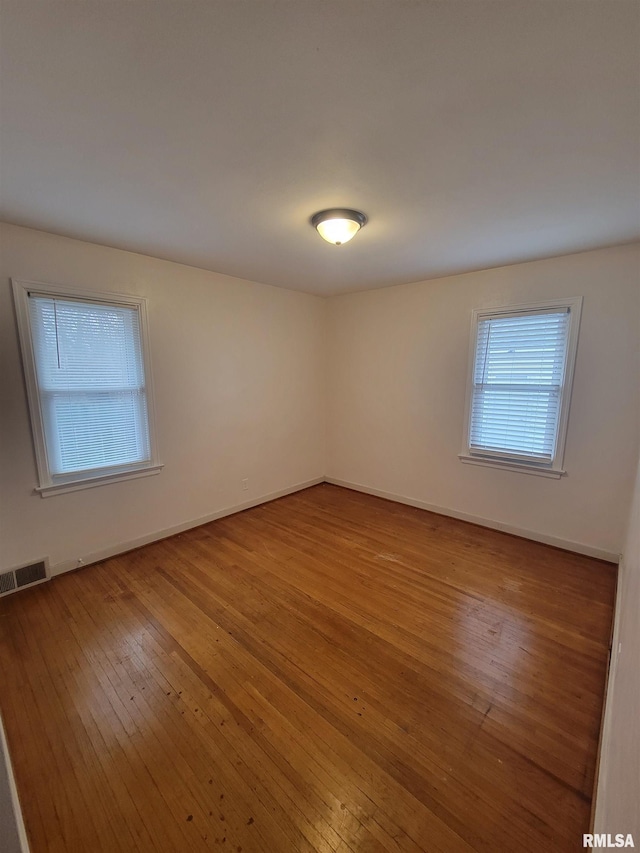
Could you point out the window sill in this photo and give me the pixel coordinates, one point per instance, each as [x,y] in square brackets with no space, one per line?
[521,467]
[90,482]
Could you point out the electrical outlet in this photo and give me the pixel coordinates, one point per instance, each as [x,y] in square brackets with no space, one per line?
[245,485]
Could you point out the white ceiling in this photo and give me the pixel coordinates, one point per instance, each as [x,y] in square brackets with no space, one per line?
[473,133]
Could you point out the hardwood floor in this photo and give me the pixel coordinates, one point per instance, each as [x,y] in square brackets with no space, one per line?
[326,672]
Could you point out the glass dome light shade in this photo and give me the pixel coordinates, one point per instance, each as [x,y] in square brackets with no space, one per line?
[338,226]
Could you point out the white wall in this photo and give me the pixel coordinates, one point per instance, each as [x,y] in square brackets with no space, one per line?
[238,371]
[12,831]
[397,372]
[618,792]
[245,375]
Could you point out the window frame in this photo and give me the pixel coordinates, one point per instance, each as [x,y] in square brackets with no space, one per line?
[503,459]
[51,484]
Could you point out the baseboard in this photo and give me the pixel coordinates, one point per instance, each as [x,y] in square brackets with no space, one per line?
[122,547]
[597,807]
[15,801]
[567,545]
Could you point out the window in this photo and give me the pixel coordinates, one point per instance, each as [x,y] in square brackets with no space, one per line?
[88,385]
[521,369]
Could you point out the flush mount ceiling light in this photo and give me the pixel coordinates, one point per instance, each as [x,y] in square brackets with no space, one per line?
[338,225]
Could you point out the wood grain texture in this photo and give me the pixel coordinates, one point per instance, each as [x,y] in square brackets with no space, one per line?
[328,672]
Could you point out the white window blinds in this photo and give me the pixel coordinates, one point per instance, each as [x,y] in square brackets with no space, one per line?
[517,384]
[90,375]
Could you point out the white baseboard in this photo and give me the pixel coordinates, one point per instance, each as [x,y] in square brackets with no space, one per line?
[15,801]
[567,545]
[598,809]
[122,547]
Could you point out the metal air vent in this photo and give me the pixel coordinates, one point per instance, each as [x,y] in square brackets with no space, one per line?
[31,574]
[24,576]
[7,582]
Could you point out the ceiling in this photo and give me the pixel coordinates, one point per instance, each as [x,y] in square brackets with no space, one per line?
[473,133]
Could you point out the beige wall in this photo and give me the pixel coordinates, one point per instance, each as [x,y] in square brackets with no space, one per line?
[618,797]
[245,375]
[397,372]
[238,371]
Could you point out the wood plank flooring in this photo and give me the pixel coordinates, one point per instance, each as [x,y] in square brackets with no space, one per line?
[328,672]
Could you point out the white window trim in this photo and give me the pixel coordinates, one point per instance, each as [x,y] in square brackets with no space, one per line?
[554,468]
[79,480]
